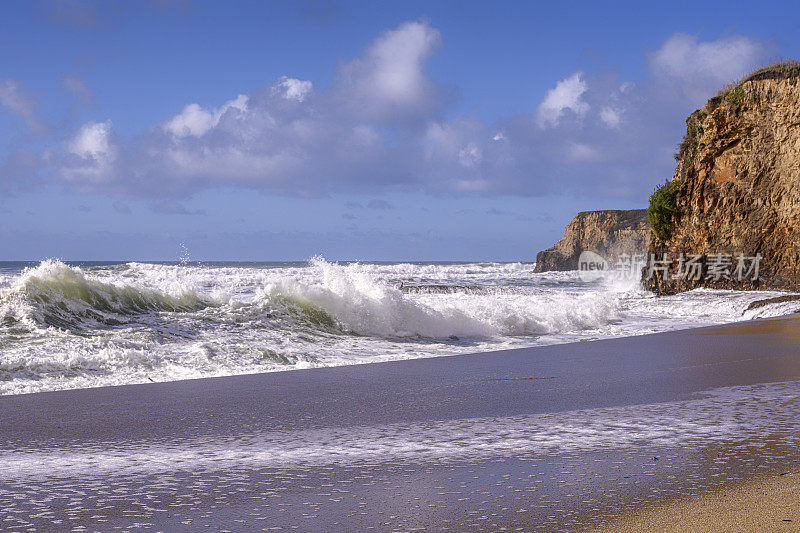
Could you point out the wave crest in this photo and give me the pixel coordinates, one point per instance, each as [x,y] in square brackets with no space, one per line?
[57,295]
[357,302]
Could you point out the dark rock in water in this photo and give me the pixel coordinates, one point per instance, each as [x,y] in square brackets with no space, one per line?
[737,185]
[610,233]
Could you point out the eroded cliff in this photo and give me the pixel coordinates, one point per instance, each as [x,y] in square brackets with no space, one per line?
[737,188]
[610,233]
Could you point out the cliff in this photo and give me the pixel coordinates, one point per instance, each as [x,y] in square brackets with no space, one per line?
[736,189]
[609,233]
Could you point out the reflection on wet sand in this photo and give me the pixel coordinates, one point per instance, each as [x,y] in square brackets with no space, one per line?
[625,424]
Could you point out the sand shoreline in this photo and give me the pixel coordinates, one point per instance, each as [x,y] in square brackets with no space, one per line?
[766,503]
[562,436]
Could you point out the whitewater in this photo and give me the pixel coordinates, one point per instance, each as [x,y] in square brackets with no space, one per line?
[78,325]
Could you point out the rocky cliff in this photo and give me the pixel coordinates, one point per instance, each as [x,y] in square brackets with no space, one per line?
[609,233]
[737,189]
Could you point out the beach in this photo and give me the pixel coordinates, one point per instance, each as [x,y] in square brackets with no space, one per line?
[560,437]
[329,266]
[765,504]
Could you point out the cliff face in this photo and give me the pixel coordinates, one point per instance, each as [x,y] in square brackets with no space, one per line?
[738,188]
[609,233]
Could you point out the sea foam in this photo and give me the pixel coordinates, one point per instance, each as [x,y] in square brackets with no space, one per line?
[65,326]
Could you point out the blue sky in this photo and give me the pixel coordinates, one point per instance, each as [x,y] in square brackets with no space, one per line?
[352,130]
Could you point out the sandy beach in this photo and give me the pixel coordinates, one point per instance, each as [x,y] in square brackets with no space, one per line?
[350,266]
[769,503]
[558,437]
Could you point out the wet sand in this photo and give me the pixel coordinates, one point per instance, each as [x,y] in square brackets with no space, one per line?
[547,438]
[770,503]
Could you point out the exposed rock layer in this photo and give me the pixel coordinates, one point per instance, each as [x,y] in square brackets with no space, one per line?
[739,185]
[609,233]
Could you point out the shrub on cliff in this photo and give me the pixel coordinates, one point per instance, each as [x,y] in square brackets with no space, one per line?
[662,208]
[786,68]
[735,94]
[694,130]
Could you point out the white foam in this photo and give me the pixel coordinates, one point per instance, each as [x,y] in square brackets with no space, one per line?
[68,327]
[727,415]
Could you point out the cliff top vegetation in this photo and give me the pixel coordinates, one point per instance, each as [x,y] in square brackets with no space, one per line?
[732,94]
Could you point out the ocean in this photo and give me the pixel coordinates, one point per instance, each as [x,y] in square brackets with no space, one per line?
[67,325]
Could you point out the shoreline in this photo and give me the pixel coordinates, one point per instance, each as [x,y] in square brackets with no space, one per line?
[765,503]
[566,435]
[433,357]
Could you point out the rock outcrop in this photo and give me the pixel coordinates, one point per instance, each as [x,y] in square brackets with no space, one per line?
[738,187]
[609,233]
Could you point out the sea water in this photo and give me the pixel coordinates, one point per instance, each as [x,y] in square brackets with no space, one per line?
[77,325]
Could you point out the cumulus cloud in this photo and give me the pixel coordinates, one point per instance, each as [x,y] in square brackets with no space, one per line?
[195,121]
[565,96]
[14,100]
[91,154]
[389,79]
[383,126]
[697,68]
[293,89]
[92,141]
[610,117]
[285,137]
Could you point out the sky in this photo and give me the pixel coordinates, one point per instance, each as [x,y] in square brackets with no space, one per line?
[268,131]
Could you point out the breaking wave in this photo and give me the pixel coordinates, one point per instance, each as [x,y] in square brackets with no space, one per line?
[54,294]
[65,326]
[359,303]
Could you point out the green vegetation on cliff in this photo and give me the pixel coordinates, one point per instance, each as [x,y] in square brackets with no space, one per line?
[733,94]
[788,68]
[693,132]
[735,189]
[662,208]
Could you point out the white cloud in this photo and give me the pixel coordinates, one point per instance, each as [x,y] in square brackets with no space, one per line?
[294,89]
[610,117]
[470,155]
[701,68]
[582,153]
[93,141]
[13,99]
[380,126]
[195,121]
[454,141]
[390,76]
[566,95]
[287,138]
[91,154]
